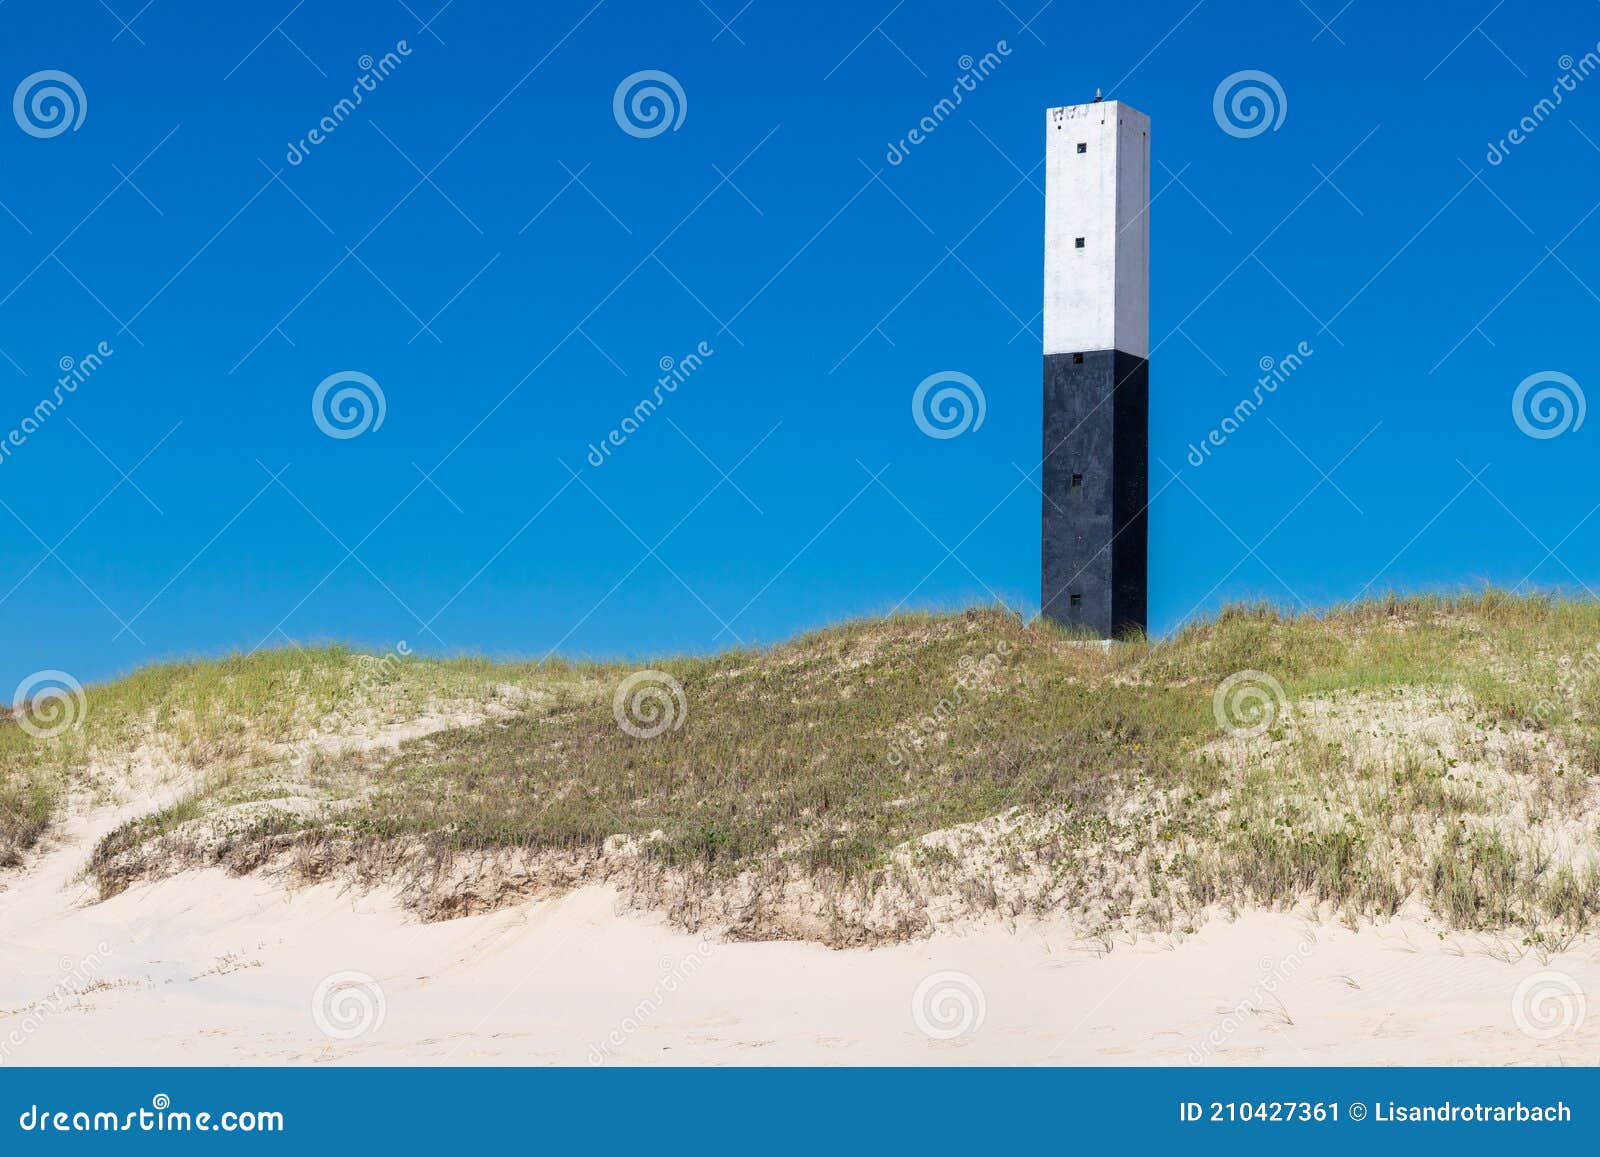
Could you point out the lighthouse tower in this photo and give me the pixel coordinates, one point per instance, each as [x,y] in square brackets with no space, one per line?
[1094,558]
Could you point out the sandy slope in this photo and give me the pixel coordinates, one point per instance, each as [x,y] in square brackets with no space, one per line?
[209,969]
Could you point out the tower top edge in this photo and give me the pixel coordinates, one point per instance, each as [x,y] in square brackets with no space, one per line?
[1100,107]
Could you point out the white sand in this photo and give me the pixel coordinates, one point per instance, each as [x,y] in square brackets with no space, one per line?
[206,969]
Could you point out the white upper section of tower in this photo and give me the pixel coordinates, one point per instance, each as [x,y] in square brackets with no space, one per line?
[1097,229]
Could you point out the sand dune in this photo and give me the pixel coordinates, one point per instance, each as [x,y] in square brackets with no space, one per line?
[205,968]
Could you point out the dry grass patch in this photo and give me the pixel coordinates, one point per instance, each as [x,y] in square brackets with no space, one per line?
[876,778]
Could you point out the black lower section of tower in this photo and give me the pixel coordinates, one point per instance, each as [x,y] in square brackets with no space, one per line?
[1095,546]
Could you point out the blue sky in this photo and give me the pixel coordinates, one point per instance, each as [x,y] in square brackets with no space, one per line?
[483,239]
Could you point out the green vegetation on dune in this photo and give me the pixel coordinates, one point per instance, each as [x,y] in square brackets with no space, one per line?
[244,713]
[1439,749]
[28,798]
[830,751]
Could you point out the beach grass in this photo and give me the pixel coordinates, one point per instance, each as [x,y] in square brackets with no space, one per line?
[1437,750]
